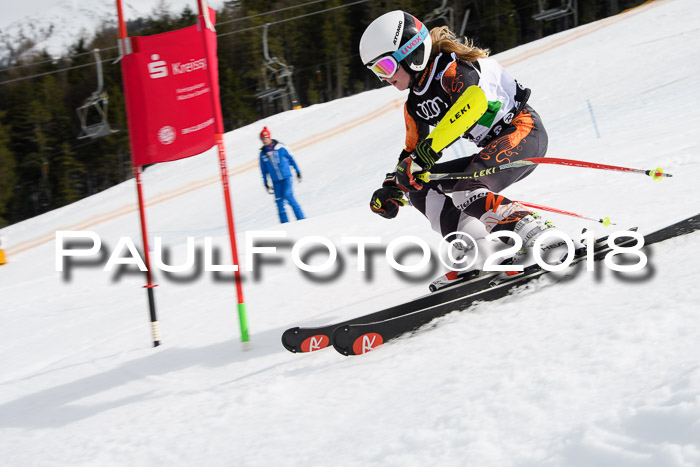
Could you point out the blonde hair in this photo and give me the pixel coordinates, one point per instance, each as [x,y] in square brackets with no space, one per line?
[445,40]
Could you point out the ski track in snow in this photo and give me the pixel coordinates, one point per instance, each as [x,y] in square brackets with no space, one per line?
[599,370]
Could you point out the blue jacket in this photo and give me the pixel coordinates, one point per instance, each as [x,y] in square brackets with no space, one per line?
[275,161]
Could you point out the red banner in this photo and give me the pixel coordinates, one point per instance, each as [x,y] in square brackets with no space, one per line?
[171,94]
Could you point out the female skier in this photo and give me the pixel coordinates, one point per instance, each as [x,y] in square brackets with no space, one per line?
[437,68]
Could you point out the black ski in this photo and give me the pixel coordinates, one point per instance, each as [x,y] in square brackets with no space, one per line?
[309,339]
[355,338]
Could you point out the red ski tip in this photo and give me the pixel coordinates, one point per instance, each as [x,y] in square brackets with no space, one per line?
[314,343]
[367,342]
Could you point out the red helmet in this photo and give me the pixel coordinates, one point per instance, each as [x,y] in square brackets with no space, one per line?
[265,133]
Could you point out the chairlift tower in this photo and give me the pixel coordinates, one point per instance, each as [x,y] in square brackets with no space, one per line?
[277,79]
[93,112]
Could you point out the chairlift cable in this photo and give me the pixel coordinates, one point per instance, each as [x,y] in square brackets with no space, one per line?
[269,12]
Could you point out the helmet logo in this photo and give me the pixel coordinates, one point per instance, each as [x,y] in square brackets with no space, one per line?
[411,44]
[407,48]
[398,31]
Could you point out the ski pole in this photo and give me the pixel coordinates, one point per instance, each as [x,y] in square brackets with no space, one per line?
[605,221]
[656,174]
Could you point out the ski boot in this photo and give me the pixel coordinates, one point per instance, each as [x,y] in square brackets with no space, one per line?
[552,249]
[463,254]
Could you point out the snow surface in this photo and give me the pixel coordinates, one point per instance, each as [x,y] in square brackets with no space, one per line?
[601,370]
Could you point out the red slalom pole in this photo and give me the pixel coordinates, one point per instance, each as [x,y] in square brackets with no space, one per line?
[125,49]
[206,25]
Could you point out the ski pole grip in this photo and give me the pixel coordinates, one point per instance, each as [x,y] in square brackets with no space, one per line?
[423,176]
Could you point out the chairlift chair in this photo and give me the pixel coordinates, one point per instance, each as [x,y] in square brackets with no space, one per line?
[281,73]
[446,14]
[443,12]
[93,112]
[566,8]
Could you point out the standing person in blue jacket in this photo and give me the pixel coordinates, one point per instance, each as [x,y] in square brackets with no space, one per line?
[275,161]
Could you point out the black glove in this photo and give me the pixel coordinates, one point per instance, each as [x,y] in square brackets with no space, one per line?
[269,189]
[299,177]
[407,179]
[387,200]
[425,156]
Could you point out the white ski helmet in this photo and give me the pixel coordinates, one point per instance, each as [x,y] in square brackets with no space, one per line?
[400,35]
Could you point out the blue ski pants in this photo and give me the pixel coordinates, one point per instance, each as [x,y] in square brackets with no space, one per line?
[284,194]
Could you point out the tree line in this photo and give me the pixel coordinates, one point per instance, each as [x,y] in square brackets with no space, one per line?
[43,164]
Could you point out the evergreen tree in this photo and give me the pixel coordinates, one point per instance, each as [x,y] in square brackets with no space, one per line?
[497,30]
[8,177]
[36,162]
[336,44]
[67,176]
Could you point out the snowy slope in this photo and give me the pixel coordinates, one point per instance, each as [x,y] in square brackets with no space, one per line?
[601,370]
